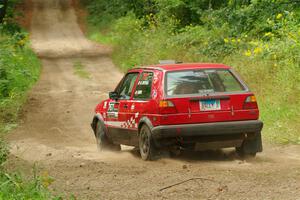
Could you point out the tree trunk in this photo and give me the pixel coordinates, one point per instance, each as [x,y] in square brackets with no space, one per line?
[3,6]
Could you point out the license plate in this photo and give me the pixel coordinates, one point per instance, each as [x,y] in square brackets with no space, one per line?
[211,104]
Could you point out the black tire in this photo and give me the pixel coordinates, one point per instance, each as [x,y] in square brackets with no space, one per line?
[146,145]
[242,154]
[250,147]
[103,143]
[175,151]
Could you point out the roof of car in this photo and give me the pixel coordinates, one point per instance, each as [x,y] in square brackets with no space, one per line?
[185,66]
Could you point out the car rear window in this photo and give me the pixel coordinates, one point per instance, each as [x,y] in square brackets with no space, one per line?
[201,82]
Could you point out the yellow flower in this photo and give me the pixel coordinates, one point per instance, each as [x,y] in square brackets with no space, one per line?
[46,180]
[254,43]
[267,46]
[226,40]
[268,34]
[257,50]
[21,42]
[248,53]
[239,40]
[233,40]
[279,16]
[291,35]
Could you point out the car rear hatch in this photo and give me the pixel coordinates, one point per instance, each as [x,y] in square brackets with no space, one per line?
[206,95]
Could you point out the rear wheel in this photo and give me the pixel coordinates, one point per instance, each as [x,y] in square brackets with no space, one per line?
[250,147]
[146,145]
[241,153]
[175,151]
[103,143]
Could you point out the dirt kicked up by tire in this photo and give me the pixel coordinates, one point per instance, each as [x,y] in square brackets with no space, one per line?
[55,135]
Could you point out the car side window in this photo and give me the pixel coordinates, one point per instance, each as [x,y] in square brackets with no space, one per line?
[125,89]
[144,86]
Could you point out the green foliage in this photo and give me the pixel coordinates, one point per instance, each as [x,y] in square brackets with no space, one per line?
[103,13]
[16,187]
[259,38]
[19,69]
[7,15]
[3,152]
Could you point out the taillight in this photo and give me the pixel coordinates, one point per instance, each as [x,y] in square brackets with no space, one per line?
[250,102]
[167,107]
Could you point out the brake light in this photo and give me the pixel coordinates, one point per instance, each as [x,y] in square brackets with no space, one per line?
[250,102]
[167,107]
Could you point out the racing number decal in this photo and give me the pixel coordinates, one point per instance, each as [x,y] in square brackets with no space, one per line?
[113,110]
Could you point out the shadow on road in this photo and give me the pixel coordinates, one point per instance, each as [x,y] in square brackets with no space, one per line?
[194,156]
[211,155]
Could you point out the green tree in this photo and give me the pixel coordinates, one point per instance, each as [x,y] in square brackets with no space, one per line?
[3,6]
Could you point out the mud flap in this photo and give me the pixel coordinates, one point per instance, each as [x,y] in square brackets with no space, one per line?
[253,145]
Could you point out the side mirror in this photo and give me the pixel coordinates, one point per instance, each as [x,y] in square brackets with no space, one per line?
[113,95]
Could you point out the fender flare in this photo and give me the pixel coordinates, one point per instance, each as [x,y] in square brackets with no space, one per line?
[145,120]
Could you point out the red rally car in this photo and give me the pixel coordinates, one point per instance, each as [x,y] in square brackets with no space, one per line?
[179,106]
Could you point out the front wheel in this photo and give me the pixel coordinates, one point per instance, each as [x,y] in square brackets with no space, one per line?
[146,145]
[103,143]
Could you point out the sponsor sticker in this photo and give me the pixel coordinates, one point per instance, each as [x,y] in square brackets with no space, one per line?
[143,82]
[138,92]
[132,107]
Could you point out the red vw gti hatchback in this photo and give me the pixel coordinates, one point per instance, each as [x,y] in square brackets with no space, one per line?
[179,106]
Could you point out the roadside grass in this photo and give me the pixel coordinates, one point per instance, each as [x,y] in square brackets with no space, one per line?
[3,152]
[15,186]
[80,70]
[19,71]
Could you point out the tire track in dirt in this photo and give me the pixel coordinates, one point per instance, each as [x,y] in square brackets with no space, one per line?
[55,132]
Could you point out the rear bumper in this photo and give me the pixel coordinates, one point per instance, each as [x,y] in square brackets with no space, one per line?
[207,129]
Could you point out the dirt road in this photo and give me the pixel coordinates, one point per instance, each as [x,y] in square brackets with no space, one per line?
[55,133]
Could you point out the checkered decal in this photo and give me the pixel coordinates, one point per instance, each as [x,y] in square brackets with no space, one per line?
[131,123]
